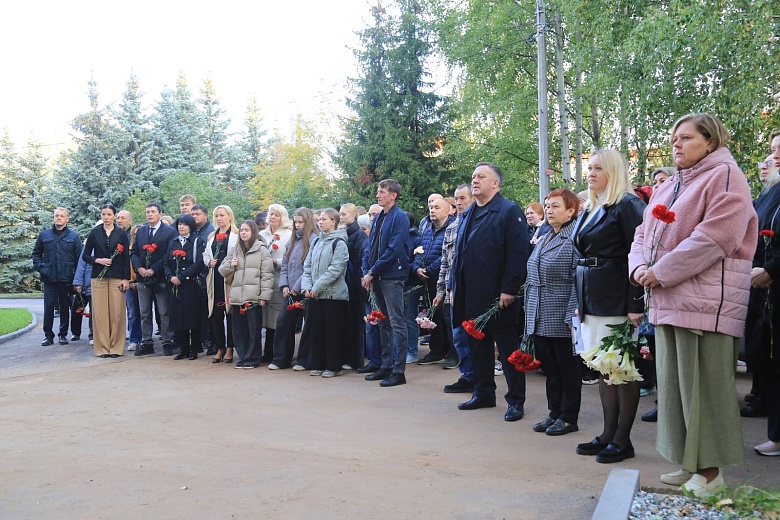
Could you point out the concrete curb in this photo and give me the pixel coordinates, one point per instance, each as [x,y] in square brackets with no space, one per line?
[618,494]
[23,330]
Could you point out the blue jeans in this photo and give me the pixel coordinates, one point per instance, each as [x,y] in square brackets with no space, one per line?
[133,316]
[390,298]
[411,305]
[373,342]
[460,338]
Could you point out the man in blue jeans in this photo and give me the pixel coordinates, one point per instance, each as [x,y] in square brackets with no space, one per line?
[385,269]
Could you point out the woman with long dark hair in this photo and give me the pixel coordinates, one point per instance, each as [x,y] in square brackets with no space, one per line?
[251,268]
[107,250]
[290,282]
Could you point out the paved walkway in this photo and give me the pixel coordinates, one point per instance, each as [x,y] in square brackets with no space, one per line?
[84,437]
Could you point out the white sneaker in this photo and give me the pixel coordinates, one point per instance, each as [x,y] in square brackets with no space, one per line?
[768,449]
[273,366]
[676,478]
[91,342]
[499,370]
[411,359]
[299,368]
[699,487]
[346,367]
[315,373]
[132,346]
[331,373]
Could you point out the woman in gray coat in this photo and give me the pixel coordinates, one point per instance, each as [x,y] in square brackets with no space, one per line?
[250,266]
[324,285]
[550,300]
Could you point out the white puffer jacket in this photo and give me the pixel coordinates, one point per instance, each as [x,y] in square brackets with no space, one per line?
[253,277]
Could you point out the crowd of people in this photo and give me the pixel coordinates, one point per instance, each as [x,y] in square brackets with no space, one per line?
[684,262]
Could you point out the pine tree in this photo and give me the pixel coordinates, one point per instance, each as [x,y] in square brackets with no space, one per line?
[133,124]
[23,213]
[95,173]
[398,128]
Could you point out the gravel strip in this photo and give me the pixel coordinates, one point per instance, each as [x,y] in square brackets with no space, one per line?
[657,506]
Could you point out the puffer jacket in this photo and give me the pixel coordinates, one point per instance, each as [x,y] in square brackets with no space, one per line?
[702,259]
[253,277]
[325,265]
[292,269]
[56,254]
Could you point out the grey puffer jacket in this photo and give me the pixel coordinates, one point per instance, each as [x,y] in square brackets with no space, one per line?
[292,269]
[253,277]
[325,265]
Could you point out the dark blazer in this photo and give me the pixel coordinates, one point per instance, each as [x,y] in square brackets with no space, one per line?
[188,299]
[491,260]
[604,289]
[97,247]
[162,238]
[389,233]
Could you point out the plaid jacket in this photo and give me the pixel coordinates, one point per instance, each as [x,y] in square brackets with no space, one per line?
[447,249]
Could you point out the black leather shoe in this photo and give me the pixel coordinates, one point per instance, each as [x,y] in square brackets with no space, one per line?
[514,412]
[211,351]
[651,416]
[144,350]
[47,342]
[75,338]
[542,426]
[367,369]
[378,375]
[193,356]
[113,355]
[63,340]
[754,409]
[614,453]
[103,356]
[461,386]
[167,349]
[477,402]
[561,428]
[180,355]
[393,380]
[591,448]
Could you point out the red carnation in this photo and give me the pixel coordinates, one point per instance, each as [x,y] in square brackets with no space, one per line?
[120,248]
[242,310]
[471,328]
[767,233]
[290,307]
[179,252]
[663,214]
[277,237]
[220,237]
[274,246]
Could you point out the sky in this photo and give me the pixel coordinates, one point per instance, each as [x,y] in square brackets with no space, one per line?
[293,56]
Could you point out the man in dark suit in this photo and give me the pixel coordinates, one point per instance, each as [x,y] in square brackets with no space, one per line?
[489,265]
[151,279]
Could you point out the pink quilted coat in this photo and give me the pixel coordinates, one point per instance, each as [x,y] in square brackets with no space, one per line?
[703,259]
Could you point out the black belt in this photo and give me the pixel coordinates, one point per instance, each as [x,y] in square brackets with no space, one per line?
[593,261]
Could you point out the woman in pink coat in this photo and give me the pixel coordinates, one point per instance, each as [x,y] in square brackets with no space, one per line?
[696,268]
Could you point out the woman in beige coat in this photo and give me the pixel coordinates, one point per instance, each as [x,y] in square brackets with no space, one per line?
[252,269]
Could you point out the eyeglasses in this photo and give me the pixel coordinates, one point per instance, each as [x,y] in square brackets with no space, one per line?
[765,163]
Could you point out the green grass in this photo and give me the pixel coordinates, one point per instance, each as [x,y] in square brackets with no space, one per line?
[744,501]
[14,319]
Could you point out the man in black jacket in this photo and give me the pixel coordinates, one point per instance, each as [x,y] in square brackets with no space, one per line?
[55,256]
[148,257]
[489,265]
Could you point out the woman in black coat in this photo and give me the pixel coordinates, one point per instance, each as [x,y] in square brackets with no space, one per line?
[182,266]
[602,237]
[355,335]
[762,333]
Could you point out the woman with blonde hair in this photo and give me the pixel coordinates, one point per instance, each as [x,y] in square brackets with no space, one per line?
[602,238]
[223,238]
[276,236]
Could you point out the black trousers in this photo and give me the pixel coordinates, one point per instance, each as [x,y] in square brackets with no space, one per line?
[284,338]
[247,337]
[770,386]
[326,320]
[483,359]
[217,322]
[187,340]
[440,343]
[562,369]
[55,292]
